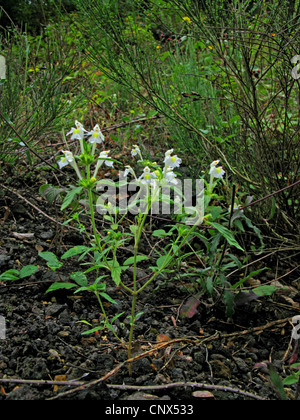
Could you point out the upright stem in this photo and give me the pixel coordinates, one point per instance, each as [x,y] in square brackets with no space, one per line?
[135,291]
[91,203]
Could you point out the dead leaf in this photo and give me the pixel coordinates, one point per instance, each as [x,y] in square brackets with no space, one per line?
[285,290]
[39,248]
[23,235]
[253,282]
[244,297]
[162,337]
[189,308]
[173,321]
[203,394]
[291,302]
[87,341]
[6,214]
[2,390]
[59,378]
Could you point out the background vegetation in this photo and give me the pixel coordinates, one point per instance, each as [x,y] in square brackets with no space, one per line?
[211,79]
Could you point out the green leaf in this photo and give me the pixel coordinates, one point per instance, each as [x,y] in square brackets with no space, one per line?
[10,275]
[291,379]
[152,113]
[133,229]
[60,285]
[83,289]
[116,273]
[277,382]
[93,330]
[28,270]
[116,317]
[227,234]
[266,290]
[160,233]
[76,250]
[50,192]
[252,274]
[139,258]
[163,261]
[80,278]
[107,297]
[229,302]
[70,197]
[52,260]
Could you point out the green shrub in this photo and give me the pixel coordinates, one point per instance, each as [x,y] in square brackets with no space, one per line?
[223,80]
[38,92]
[31,15]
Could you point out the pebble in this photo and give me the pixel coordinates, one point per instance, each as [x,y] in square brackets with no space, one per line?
[54,309]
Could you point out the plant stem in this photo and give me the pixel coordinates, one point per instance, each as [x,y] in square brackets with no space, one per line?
[91,203]
[135,292]
[131,330]
[106,318]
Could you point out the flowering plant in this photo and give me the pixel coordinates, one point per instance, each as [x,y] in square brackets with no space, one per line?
[154,184]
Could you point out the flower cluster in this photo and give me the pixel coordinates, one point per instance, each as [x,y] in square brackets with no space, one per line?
[94,137]
[152,174]
[186,19]
[159,175]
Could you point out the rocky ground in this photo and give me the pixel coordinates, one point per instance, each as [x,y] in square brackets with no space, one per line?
[45,355]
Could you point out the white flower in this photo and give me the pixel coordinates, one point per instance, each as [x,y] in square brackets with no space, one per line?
[168,153]
[147,176]
[65,160]
[171,176]
[135,151]
[128,170]
[171,161]
[104,154]
[69,159]
[78,132]
[216,172]
[214,163]
[236,208]
[96,135]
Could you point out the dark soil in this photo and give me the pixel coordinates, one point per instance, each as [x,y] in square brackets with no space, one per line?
[44,340]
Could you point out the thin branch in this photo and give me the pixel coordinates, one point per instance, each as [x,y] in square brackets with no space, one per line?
[185,385]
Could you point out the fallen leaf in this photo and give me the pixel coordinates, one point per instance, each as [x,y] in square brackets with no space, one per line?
[59,378]
[244,297]
[2,390]
[6,214]
[23,235]
[253,282]
[203,394]
[162,337]
[189,308]
[290,301]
